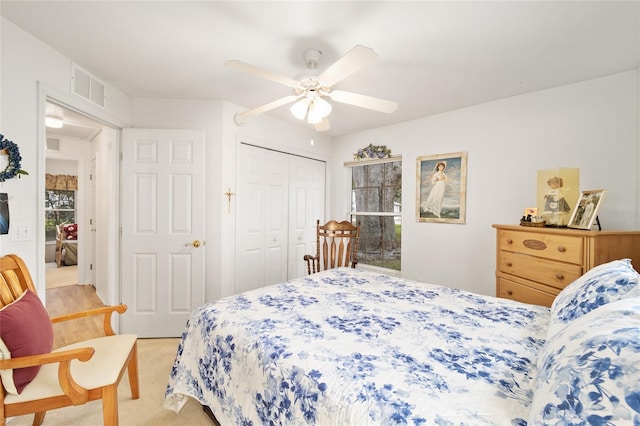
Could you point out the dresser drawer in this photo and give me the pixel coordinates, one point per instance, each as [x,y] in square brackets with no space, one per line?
[564,248]
[515,291]
[555,274]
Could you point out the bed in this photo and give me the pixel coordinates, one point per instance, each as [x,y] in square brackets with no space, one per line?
[351,347]
[67,244]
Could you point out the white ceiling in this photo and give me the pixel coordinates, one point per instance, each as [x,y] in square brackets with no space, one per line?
[433,56]
[76,126]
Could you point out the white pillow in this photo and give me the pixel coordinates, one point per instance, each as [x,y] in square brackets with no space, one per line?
[603,284]
[589,371]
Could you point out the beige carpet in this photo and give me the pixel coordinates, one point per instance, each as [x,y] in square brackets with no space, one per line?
[60,276]
[155,357]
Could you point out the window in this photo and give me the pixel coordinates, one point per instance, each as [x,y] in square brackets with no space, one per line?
[59,208]
[376,202]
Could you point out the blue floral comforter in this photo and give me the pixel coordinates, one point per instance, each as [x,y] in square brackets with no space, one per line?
[349,347]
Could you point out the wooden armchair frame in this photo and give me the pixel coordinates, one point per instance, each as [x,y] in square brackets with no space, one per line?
[15,280]
[339,246]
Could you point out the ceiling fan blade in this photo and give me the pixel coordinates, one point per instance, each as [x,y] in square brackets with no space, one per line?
[259,72]
[322,126]
[354,60]
[240,117]
[363,101]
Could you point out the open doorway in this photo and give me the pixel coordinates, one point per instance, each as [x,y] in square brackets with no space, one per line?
[61,221]
[69,205]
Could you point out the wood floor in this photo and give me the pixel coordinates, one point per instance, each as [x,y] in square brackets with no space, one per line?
[69,299]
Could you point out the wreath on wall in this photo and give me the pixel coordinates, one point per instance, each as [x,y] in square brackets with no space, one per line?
[12,151]
[372,151]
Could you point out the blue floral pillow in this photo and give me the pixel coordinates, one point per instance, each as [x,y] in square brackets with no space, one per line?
[589,371]
[601,285]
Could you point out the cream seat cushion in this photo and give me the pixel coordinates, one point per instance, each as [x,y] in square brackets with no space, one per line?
[101,370]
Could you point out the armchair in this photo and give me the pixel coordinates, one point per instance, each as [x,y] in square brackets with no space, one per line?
[34,378]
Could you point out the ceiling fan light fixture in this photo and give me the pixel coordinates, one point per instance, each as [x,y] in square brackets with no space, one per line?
[322,107]
[318,110]
[53,122]
[299,109]
[313,117]
[308,91]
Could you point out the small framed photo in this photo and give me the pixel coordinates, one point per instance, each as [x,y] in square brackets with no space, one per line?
[586,210]
[441,183]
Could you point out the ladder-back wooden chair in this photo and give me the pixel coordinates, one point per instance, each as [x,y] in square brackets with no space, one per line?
[339,246]
[36,379]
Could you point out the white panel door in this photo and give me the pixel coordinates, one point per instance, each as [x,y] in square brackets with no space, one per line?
[306,206]
[162,267]
[261,218]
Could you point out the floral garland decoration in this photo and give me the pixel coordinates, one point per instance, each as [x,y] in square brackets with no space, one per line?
[13,152]
[372,151]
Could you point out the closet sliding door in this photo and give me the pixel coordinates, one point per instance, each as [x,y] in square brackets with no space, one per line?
[279,198]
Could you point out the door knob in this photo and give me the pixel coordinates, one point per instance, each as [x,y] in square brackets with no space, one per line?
[195,243]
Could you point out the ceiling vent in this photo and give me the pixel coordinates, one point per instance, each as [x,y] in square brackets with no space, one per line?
[53,144]
[86,85]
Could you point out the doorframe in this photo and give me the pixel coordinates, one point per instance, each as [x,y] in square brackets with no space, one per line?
[67,100]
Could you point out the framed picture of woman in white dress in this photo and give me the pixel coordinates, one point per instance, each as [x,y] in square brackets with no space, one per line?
[441,184]
[586,210]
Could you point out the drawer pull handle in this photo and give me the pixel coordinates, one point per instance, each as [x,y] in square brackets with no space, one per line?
[561,249]
[560,276]
[534,244]
[509,241]
[509,263]
[509,292]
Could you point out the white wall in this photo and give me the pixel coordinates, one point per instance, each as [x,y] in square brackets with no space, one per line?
[222,135]
[30,71]
[591,125]
[61,166]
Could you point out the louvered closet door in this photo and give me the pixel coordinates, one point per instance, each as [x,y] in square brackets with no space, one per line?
[268,196]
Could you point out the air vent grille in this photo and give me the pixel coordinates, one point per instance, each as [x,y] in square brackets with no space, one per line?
[86,85]
[53,144]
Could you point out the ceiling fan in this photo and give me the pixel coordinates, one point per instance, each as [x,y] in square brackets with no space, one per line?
[309,92]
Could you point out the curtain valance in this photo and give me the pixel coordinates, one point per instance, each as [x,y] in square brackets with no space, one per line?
[61,182]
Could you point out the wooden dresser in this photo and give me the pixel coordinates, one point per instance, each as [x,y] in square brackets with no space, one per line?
[534,264]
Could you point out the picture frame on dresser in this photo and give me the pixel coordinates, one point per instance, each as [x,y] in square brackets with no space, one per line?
[586,210]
